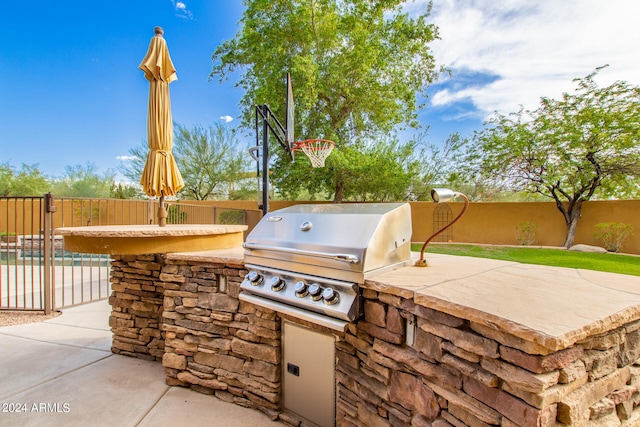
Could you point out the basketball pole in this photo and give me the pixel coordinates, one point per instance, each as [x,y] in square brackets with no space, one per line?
[265,158]
[283,135]
[316,150]
[264,114]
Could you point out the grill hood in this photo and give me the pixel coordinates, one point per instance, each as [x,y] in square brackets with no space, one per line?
[341,241]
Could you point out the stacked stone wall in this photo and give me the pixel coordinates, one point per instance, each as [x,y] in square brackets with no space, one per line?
[137,304]
[216,344]
[449,372]
[459,373]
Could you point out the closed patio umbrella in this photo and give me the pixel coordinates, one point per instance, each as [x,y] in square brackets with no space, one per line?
[160,176]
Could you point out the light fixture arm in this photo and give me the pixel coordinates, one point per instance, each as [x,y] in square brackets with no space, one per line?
[442,195]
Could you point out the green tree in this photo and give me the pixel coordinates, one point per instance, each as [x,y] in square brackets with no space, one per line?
[211,161]
[84,181]
[380,169]
[26,181]
[583,146]
[133,167]
[447,165]
[126,191]
[357,68]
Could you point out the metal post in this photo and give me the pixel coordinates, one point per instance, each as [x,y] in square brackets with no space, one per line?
[49,294]
[265,159]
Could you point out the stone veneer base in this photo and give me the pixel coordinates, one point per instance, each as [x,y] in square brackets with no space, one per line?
[186,314]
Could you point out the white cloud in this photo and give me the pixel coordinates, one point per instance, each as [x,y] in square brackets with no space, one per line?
[529,49]
[181,10]
[226,119]
[125,158]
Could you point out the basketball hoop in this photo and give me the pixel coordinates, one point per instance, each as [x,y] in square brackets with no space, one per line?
[317,150]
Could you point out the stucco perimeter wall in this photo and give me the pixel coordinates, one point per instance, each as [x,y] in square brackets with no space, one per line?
[487,223]
[496,223]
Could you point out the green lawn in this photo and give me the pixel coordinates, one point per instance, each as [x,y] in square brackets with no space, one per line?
[614,263]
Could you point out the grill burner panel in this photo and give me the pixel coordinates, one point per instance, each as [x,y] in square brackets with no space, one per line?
[333,298]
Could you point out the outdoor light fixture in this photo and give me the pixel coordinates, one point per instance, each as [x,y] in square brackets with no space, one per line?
[442,195]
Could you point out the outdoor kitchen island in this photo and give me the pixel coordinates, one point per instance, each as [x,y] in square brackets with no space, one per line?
[463,342]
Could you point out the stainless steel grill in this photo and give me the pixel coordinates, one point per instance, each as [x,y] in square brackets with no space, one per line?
[308,260]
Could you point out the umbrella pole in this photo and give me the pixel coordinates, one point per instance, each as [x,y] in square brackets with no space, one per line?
[162,213]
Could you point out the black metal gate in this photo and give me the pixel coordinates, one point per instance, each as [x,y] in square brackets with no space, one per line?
[36,273]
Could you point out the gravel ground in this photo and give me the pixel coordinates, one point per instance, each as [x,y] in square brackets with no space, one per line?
[11,318]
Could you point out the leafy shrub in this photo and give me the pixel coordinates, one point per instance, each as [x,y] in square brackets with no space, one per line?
[613,234]
[232,217]
[7,236]
[526,233]
[175,215]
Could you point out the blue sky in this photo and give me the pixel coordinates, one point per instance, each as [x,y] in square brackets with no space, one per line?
[71,91]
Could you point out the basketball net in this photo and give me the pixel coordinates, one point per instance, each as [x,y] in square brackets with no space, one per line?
[317,150]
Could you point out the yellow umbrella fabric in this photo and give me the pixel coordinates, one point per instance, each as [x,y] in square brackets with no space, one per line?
[160,176]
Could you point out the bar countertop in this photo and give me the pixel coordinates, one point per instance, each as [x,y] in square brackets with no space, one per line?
[554,307]
[551,306]
[146,239]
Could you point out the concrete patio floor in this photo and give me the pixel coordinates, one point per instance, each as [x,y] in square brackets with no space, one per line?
[62,372]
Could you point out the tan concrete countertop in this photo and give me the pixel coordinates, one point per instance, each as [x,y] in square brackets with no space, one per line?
[145,239]
[170,230]
[229,256]
[551,306]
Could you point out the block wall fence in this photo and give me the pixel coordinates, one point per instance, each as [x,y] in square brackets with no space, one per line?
[495,222]
[485,223]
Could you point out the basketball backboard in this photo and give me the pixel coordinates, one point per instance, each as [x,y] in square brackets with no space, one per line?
[290,116]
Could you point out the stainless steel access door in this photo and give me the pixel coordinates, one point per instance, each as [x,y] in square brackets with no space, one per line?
[309,374]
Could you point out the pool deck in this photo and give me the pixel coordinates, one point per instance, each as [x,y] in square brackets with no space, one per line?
[62,372]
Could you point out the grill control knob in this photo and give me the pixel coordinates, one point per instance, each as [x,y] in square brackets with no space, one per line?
[330,296]
[277,284]
[301,289]
[254,278]
[315,291]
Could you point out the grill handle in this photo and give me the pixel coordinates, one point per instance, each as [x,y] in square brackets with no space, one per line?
[350,258]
